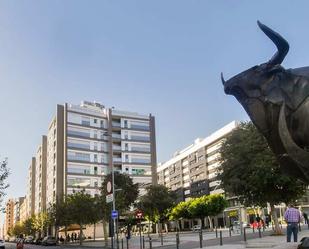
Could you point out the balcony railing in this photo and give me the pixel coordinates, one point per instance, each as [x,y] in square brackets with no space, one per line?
[116,135]
[116,124]
[117,159]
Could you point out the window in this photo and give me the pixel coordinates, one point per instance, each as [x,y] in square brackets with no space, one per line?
[125,123]
[95,134]
[127,158]
[95,158]
[101,123]
[95,121]
[95,170]
[126,145]
[95,146]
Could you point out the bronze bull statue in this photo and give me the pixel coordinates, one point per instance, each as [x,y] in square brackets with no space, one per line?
[276,100]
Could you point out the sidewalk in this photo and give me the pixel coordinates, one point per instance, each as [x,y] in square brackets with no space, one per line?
[273,242]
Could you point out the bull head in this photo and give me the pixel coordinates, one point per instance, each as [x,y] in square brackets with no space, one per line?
[265,93]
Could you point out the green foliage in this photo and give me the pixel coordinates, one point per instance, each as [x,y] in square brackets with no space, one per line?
[181,211]
[250,170]
[127,194]
[216,204]
[41,221]
[4,173]
[157,202]
[18,229]
[28,226]
[59,213]
[80,206]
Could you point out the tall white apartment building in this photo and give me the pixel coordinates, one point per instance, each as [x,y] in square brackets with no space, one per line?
[99,139]
[40,177]
[83,144]
[30,196]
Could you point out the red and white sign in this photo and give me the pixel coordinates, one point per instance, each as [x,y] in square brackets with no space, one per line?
[139,214]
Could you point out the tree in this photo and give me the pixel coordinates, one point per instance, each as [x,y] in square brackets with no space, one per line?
[18,229]
[41,222]
[156,203]
[60,215]
[199,207]
[250,171]
[28,226]
[126,193]
[216,204]
[4,173]
[181,210]
[80,206]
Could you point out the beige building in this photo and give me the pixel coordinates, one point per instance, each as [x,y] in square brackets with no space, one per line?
[40,177]
[9,215]
[30,196]
[23,210]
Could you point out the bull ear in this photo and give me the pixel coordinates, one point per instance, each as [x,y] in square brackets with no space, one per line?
[281,44]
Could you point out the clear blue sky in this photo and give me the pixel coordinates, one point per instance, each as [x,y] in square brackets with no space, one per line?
[159,57]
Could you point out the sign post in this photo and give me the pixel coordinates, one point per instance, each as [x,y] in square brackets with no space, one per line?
[139,215]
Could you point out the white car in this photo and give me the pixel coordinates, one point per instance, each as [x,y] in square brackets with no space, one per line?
[196,228]
[2,246]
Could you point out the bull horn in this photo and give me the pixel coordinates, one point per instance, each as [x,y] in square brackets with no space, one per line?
[297,154]
[281,44]
[222,79]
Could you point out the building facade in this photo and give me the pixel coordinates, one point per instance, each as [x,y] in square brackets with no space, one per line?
[17,208]
[9,216]
[83,144]
[30,196]
[192,171]
[40,177]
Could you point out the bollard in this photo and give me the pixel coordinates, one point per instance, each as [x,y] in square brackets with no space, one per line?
[201,238]
[221,241]
[121,243]
[150,243]
[161,239]
[260,234]
[245,236]
[177,240]
[216,233]
[112,242]
[230,232]
[143,242]
[299,227]
[127,243]
[253,229]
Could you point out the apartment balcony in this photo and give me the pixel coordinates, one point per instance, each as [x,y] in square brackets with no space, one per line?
[115,147]
[117,159]
[116,136]
[116,124]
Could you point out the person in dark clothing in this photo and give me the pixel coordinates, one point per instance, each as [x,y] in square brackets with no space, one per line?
[75,236]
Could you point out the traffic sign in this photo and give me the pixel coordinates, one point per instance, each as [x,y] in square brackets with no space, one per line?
[139,214]
[109,198]
[109,187]
[114,214]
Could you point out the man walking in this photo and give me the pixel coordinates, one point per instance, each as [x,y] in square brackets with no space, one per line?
[292,218]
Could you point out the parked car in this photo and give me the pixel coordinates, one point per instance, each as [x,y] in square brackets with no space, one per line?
[29,240]
[49,241]
[2,246]
[196,228]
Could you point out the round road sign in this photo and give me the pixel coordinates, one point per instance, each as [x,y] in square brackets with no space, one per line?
[109,187]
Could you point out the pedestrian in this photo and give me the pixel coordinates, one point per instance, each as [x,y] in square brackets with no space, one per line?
[292,218]
[75,236]
[267,220]
[72,237]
